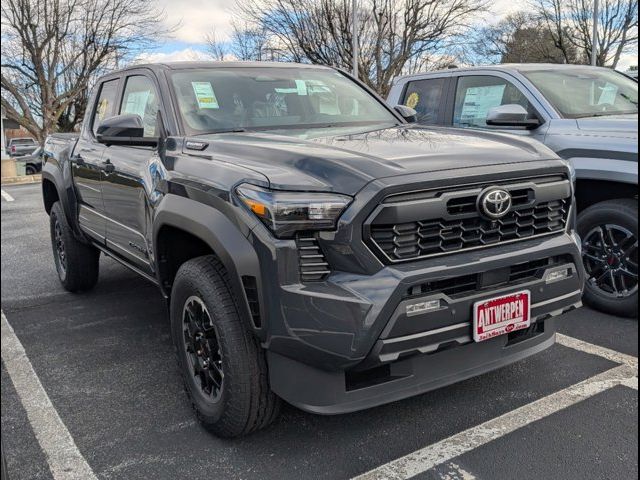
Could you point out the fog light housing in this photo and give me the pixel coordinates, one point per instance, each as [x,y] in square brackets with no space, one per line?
[422,307]
[558,275]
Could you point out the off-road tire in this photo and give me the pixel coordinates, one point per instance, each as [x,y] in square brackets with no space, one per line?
[81,260]
[622,212]
[245,403]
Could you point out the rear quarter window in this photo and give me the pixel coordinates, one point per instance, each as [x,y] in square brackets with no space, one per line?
[425,97]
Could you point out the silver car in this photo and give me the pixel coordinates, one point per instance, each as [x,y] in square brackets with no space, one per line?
[587,115]
[21,146]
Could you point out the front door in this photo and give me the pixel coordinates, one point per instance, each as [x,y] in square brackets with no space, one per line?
[476,94]
[128,180]
[86,165]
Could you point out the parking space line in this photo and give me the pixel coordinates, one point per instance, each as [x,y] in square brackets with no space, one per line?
[64,459]
[592,349]
[445,450]
[6,196]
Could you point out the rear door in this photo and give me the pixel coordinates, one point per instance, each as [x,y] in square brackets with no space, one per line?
[130,177]
[428,97]
[87,165]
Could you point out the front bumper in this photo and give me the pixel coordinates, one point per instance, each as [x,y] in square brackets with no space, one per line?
[329,393]
[346,344]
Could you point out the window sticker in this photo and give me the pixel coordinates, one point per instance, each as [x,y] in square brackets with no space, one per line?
[205,96]
[301,85]
[137,103]
[412,100]
[608,94]
[478,101]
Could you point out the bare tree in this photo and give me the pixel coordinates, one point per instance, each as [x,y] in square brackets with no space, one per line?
[391,32]
[217,48]
[520,37]
[52,49]
[570,24]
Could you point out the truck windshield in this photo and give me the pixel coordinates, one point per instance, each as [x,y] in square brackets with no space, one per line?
[587,91]
[252,98]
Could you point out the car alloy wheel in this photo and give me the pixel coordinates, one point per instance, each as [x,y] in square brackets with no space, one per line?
[61,255]
[202,349]
[610,256]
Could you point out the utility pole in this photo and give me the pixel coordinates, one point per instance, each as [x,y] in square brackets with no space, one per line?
[594,35]
[354,36]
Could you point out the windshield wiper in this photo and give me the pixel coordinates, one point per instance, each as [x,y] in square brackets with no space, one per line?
[224,130]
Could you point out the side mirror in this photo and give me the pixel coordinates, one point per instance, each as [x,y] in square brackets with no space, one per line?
[511,115]
[124,130]
[408,113]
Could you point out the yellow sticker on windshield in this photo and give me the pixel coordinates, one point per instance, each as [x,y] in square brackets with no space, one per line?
[205,96]
[412,100]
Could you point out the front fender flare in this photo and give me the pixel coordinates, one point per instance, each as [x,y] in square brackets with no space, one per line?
[223,237]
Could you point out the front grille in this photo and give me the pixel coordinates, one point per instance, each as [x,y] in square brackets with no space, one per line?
[313,265]
[455,287]
[537,209]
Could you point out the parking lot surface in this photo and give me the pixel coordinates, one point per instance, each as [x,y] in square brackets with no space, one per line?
[90,388]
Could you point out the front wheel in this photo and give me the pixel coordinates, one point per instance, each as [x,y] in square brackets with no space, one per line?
[222,364]
[609,232]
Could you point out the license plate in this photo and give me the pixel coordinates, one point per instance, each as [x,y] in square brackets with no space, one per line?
[500,315]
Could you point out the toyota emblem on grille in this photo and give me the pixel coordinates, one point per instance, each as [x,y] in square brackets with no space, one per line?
[495,203]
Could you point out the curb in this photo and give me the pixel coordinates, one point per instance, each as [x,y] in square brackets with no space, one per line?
[22,180]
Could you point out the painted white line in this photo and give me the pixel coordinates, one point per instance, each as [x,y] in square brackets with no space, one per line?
[426,458]
[592,349]
[6,196]
[64,459]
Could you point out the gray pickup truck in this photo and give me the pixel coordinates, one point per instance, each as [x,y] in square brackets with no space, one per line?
[310,243]
[587,115]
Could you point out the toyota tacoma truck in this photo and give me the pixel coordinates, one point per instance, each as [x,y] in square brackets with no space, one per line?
[312,245]
[588,116]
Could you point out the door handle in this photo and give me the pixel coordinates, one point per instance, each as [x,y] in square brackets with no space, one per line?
[108,166]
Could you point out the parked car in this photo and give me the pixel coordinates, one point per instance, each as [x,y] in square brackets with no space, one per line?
[21,146]
[588,115]
[311,244]
[32,162]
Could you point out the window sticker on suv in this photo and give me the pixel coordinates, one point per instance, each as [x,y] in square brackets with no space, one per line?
[479,100]
[205,95]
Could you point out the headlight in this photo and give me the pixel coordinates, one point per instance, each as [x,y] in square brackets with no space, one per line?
[286,213]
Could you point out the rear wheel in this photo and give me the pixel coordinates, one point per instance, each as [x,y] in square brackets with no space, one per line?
[609,232]
[222,364]
[77,263]
[30,170]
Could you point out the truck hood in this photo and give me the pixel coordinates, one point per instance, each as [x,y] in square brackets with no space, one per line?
[345,163]
[618,126]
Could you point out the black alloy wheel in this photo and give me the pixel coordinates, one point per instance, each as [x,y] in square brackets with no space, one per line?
[202,349]
[61,256]
[610,255]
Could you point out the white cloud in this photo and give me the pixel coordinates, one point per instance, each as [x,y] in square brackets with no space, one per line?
[197,18]
[187,54]
[627,60]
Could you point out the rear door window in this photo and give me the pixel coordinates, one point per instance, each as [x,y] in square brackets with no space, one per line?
[426,98]
[477,94]
[105,107]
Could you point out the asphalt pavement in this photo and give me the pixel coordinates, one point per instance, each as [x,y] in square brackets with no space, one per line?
[104,363]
